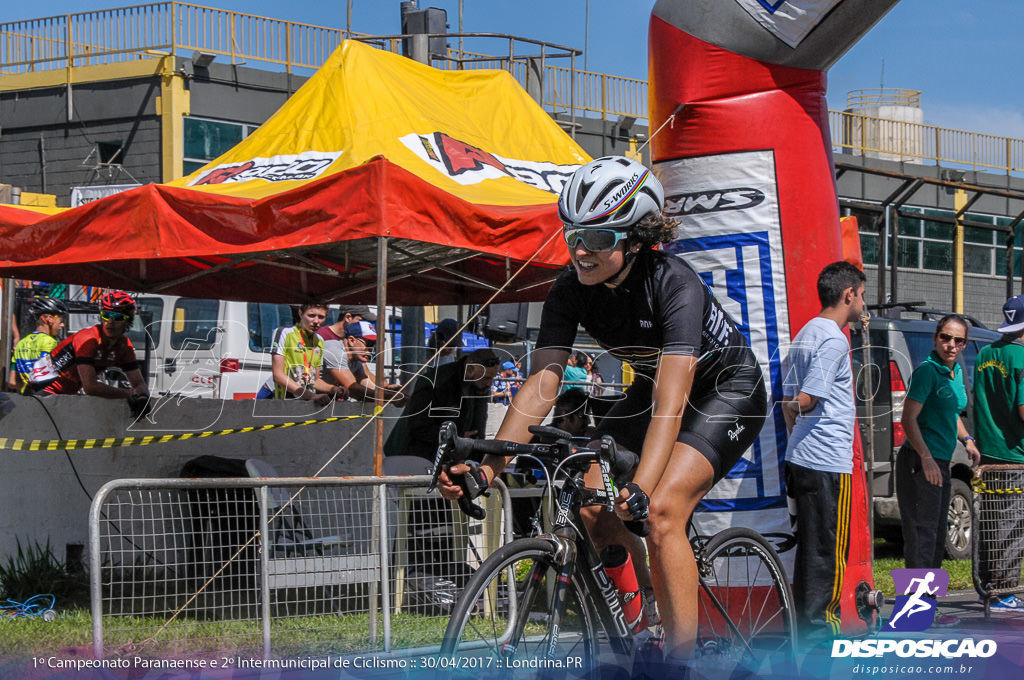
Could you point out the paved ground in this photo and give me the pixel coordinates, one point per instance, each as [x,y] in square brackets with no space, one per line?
[1000,637]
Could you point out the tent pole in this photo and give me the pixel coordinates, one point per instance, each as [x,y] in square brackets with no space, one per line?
[382,328]
[6,329]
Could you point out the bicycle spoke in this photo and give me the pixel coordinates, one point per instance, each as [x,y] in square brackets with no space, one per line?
[746,615]
[505,613]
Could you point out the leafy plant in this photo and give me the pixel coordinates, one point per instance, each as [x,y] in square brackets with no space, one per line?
[34,569]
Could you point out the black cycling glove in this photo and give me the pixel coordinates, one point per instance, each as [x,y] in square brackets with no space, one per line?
[638,503]
[473,481]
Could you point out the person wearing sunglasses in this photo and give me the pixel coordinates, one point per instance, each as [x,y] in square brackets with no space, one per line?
[49,314]
[77,362]
[931,419]
[346,362]
[697,402]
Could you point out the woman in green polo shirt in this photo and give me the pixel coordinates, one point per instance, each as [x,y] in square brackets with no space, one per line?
[931,420]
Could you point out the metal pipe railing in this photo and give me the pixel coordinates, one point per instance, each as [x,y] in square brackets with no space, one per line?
[178,28]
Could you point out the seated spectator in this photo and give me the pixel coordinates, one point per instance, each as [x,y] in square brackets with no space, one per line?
[345,362]
[505,384]
[77,362]
[442,343]
[49,314]
[459,392]
[297,355]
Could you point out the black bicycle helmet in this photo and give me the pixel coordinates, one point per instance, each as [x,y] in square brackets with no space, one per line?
[47,305]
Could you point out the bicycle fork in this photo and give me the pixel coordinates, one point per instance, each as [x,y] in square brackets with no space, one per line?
[565,562]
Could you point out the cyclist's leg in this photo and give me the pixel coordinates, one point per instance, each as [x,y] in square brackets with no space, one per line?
[606,529]
[718,426]
[687,478]
[627,423]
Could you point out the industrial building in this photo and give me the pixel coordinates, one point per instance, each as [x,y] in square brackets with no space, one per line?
[94,102]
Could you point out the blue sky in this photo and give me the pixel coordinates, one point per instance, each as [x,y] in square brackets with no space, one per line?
[964,57]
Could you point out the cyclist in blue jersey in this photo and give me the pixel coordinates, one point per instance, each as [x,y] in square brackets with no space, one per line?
[698,400]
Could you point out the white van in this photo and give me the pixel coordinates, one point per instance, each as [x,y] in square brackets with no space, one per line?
[206,348]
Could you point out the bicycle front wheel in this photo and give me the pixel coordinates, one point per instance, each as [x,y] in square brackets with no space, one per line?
[746,614]
[506,616]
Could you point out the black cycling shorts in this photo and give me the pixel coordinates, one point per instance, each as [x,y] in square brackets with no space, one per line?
[721,420]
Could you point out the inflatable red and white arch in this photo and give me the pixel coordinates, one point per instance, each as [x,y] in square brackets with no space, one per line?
[740,140]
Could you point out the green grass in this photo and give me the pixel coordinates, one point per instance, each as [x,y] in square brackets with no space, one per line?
[296,636]
[959,574]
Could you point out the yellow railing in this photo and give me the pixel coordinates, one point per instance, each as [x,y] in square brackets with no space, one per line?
[107,36]
[178,28]
[883,96]
[861,135]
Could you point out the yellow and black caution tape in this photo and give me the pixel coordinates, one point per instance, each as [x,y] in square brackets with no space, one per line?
[12,444]
[979,486]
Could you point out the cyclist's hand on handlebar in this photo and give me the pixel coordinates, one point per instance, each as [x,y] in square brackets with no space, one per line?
[449,485]
[633,503]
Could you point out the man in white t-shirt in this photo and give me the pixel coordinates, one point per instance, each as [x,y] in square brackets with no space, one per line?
[820,414]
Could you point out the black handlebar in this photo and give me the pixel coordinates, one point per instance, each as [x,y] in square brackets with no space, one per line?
[555,447]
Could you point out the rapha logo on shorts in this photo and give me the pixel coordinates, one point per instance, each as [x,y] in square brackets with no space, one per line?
[914,610]
[303,166]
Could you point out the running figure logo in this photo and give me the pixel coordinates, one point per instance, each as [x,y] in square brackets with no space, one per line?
[914,611]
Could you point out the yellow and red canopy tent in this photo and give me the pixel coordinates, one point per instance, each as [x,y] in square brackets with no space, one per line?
[458,170]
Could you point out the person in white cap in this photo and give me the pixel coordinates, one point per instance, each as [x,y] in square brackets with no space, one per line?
[999,425]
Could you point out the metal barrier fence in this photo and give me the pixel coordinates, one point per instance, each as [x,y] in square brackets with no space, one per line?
[998,531]
[279,567]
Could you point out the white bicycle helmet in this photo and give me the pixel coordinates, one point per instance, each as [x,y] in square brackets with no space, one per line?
[612,192]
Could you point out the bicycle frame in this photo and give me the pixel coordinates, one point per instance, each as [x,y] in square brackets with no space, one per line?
[577,596]
[566,533]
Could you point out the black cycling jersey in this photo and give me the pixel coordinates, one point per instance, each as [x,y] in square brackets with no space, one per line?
[652,312]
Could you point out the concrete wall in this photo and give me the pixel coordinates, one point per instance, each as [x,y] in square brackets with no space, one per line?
[42,496]
[43,152]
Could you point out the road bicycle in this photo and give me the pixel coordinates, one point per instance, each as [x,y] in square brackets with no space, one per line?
[545,602]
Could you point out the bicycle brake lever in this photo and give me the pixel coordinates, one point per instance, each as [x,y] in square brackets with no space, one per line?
[471,509]
[445,448]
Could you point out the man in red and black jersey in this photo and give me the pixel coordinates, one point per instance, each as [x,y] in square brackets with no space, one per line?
[76,363]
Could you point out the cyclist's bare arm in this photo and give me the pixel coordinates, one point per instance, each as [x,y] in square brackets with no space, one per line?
[673,381]
[529,407]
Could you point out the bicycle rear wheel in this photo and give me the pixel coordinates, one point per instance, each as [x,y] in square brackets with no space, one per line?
[747,619]
[503,620]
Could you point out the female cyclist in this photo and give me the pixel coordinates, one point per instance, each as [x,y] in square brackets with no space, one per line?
[697,402]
